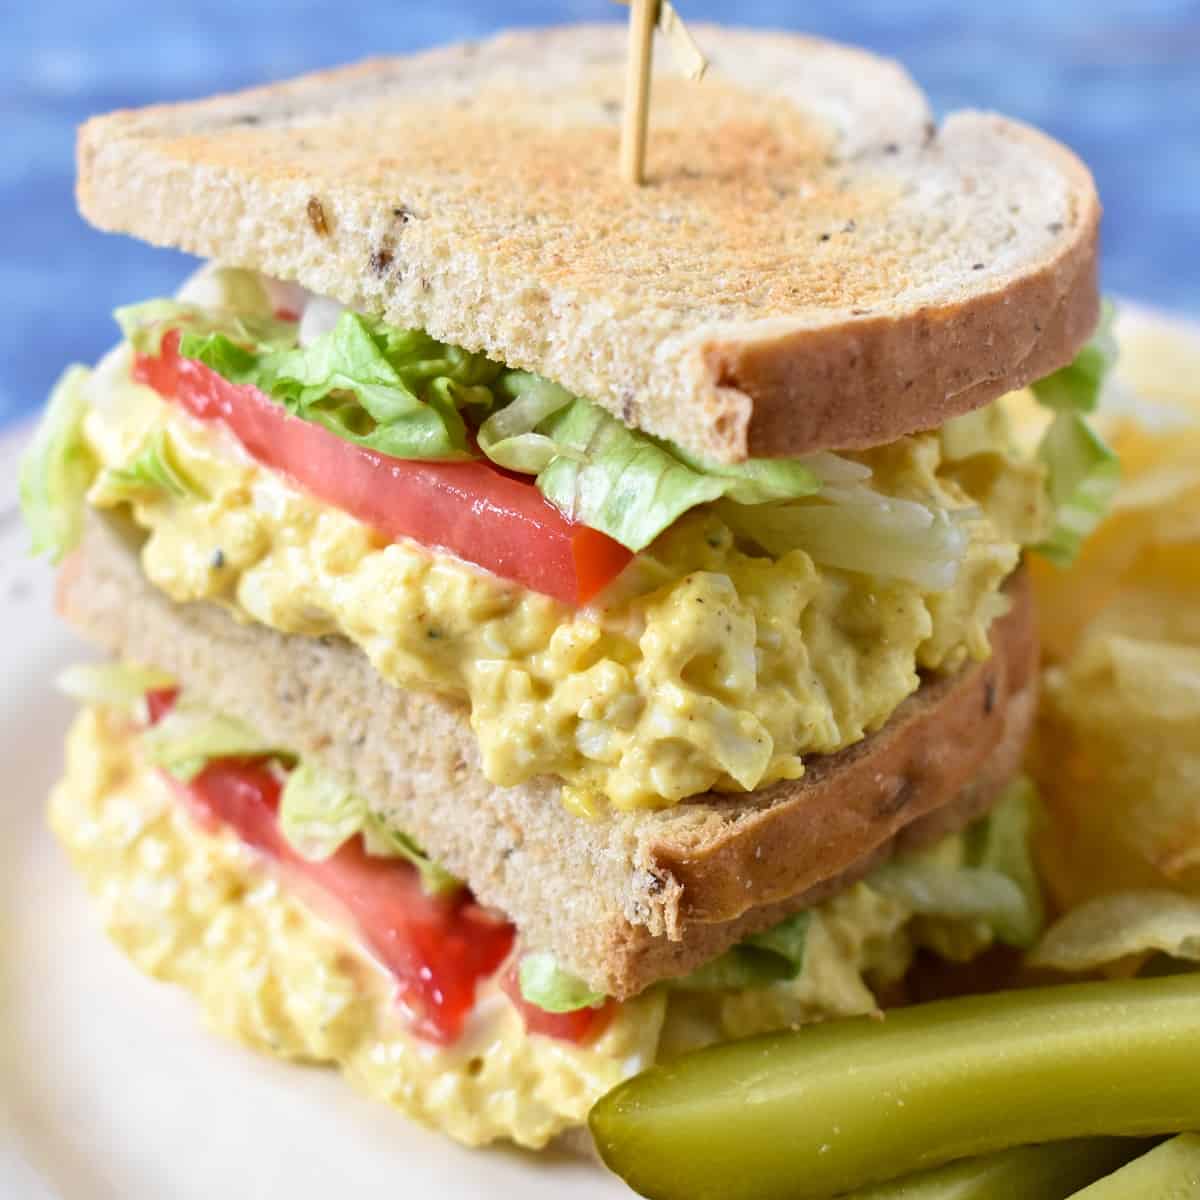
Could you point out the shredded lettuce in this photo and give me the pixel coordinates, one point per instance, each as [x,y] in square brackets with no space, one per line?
[1083,477]
[1126,925]
[1076,387]
[857,529]
[218,300]
[510,437]
[762,480]
[145,324]
[391,390]
[189,736]
[981,431]
[57,469]
[545,984]
[773,956]
[385,842]
[155,470]
[318,814]
[940,889]
[995,882]
[1003,842]
[403,393]
[611,478]
[115,684]
[1083,472]
[618,481]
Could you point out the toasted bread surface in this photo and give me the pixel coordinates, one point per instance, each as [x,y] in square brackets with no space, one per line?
[624,899]
[813,263]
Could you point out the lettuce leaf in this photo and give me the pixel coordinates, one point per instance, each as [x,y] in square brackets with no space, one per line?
[1083,472]
[394,391]
[57,469]
[598,472]
[1003,842]
[856,529]
[1083,477]
[759,480]
[403,393]
[618,481]
[189,736]
[1076,387]
[114,684]
[545,984]
[385,842]
[318,814]
[229,302]
[995,882]
[938,889]
[155,470]
[510,437]
[773,956]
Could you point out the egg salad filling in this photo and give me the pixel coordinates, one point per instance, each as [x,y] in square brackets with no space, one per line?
[712,664]
[747,616]
[192,903]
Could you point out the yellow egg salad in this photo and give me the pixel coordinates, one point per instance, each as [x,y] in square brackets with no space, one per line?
[735,645]
[198,907]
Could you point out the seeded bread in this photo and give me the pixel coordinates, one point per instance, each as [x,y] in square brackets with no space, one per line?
[813,264]
[625,899]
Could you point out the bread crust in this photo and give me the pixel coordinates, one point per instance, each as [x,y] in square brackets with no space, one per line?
[623,900]
[814,263]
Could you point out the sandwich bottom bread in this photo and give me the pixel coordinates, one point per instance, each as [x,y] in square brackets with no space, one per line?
[196,882]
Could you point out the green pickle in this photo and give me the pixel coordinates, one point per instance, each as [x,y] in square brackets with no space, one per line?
[830,1108]
[1054,1171]
[1169,1172]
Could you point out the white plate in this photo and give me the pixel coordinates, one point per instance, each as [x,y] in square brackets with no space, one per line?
[110,1088]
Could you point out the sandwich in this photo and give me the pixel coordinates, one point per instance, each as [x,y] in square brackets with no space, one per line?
[551,624]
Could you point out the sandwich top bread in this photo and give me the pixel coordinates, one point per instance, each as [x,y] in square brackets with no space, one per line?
[815,263]
[569,591]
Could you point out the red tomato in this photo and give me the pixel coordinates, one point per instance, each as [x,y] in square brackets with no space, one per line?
[436,947]
[159,702]
[496,520]
[579,1026]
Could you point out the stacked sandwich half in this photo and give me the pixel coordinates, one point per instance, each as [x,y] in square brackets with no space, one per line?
[555,624]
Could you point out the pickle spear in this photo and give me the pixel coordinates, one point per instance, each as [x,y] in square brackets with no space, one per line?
[826,1109]
[1169,1172]
[1054,1171]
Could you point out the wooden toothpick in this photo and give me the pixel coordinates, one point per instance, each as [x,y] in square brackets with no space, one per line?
[644,15]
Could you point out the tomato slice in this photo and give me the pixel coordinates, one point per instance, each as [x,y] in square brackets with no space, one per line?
[159,702]
[579,1026]
[437,948]
[494,519]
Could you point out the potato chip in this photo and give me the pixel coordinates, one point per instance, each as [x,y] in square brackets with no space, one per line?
[1110,931]
[1117,760]
[1147,550]
[1117,750]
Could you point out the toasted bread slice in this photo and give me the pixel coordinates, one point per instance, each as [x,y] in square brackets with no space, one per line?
[624,899]
[814,263]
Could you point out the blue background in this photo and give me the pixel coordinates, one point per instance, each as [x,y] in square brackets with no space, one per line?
[1119,80]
